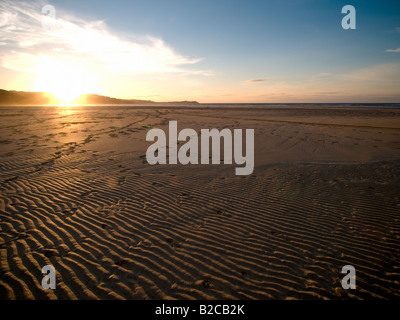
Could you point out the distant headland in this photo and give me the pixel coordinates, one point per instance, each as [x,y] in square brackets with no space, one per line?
[27,98]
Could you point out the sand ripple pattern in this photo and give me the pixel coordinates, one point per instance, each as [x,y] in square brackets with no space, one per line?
[116,228]
[283,233]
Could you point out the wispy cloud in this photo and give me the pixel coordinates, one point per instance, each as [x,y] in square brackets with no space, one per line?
[393,50]
[26,45]
[256,80]
[321,76]
[329,93]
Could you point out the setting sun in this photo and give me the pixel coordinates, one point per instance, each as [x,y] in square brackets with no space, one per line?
[63,80]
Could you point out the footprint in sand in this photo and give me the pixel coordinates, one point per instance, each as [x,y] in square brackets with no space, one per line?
[204,283]
[122,262]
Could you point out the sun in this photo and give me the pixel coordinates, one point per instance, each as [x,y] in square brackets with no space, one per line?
[64,80]
[65,93]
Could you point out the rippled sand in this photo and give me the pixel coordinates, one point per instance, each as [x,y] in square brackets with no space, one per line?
[77,193]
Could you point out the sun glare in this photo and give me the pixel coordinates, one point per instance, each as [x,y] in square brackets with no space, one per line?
[64,81]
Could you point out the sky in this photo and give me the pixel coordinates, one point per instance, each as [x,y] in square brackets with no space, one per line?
[211,51]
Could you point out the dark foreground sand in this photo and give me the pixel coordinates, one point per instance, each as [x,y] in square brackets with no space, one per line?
[78,194]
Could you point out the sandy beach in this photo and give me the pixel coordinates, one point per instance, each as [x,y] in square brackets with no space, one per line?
[77,193]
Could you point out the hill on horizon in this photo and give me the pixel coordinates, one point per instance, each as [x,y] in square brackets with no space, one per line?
[28,98]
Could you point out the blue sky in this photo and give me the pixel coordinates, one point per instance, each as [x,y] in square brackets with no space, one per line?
[218,51]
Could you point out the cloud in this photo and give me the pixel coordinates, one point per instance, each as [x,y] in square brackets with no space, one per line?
[32,39]
[321,76]
[393,50]
[322,93]
[256,80]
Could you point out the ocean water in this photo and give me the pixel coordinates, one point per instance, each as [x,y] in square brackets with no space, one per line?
[299,105]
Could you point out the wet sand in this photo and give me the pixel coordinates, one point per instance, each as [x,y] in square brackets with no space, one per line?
[77,193]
